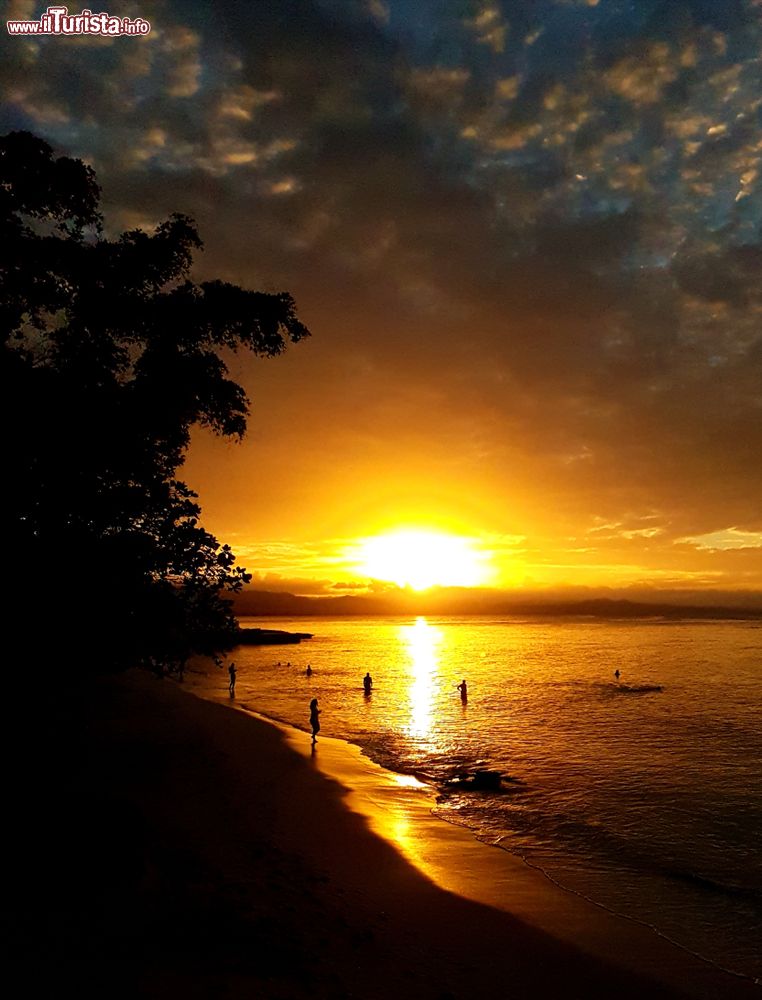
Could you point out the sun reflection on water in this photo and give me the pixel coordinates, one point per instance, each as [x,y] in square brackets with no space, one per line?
[408,781]
[422,641]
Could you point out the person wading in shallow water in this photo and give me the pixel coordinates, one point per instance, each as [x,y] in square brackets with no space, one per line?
[314,719]
[462,687]
[231,685]
[367,683]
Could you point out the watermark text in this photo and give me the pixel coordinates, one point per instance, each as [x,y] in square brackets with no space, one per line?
[58,21]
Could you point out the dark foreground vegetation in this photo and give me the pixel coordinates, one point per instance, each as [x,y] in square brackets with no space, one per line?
[109,355]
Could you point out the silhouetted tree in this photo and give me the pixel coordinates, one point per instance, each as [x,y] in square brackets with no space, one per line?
[110,354]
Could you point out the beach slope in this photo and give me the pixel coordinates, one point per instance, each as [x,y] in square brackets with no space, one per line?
[170,847]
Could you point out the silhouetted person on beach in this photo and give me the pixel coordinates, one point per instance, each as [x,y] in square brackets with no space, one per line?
[314,719]
[231,685]
[463,688]
[308,671]
[367,683]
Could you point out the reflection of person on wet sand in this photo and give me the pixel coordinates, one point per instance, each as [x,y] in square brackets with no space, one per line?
[314,719]
[463,688]
[367,683]
[231,685]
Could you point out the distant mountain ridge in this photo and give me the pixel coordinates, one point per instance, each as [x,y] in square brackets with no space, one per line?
[263,603]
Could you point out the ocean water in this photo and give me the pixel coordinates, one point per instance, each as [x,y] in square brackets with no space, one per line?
[643,794]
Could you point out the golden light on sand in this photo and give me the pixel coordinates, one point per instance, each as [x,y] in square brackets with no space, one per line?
[422,559]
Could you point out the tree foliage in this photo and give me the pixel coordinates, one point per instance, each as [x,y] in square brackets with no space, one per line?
[110,354]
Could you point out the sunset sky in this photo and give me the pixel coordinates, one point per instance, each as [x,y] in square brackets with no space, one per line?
[526,237]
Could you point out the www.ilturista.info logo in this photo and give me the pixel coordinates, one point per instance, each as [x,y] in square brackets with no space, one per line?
[58,21]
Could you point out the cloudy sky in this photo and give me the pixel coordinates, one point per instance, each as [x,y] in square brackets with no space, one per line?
[524,234]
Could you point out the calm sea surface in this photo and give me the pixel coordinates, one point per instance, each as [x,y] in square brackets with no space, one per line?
[642,794]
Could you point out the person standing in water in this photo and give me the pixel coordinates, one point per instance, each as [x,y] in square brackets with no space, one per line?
[308,671]
[231,685]
[616,673]
[314,719]
[367,683]
[463,688]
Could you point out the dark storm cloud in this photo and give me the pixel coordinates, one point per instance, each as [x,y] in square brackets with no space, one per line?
[549,207]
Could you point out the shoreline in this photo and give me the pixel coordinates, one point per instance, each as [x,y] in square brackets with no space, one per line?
[184,850]
[399,809]
[622,798]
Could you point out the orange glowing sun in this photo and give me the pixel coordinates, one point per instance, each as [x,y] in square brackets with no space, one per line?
[421,559]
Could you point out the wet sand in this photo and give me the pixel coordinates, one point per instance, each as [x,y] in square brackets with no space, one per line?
[170,847]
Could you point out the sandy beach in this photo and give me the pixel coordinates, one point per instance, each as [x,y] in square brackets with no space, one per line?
[170,847]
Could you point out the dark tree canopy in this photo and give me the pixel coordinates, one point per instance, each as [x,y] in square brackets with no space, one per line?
[110,355]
